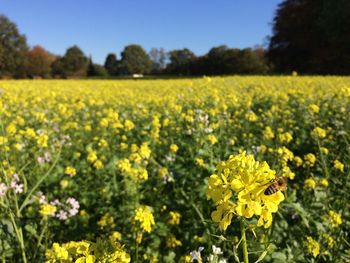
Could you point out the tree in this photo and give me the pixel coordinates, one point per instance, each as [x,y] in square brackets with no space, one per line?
[13,49]
[57,68]
[223,60]
[311,36]
[39,62]
[111,64]
[158,58]
[96,70]
[135,60]
[180,61]
[74,63]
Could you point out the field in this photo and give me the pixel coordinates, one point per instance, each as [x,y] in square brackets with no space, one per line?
[174,170]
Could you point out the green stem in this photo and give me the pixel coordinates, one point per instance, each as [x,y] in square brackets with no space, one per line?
[244,242]
[19,236]
[27,199]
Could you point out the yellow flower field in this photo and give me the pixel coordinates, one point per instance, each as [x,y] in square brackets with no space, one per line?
[175,170]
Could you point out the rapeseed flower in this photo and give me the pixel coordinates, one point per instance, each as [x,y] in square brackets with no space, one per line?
[174,218]
[319,133]
[199,162]
[313,108]
[338,165]
[237,189]
[309,160]
[173,242]
[48,210]
[312,246]
[174,148]
[144,217]
[212,139]
[334,218]
[324,182]
[268,133]
[70,171]
[310,184]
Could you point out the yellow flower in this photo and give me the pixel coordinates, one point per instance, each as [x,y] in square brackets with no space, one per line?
[172,242]
[64,184]
[124,165]
[251,116]
[238,188]
[313,108]
[329,240]
[174,148]
[268,133]
[11,129]
[70,171]
[145,151]
[185,259]
[324,182]
[104,122]
[106,220]
[30,133]
[312,246]
[3,140]
[324,150]
[92,157]
[48,210]
[42,140]
[57,253]
[285,155]
[286,172]
[212,139]
[129,125]
[163,172]
[144,217]
[103,143]
[310,184]
[309,160]
[98,165]
[285,137]
[339,165]
[174,218]
[319,133]
[334,218]
[298,161]
[199,162]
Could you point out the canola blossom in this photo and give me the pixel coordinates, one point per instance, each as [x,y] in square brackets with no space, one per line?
[237,189]
[82,159]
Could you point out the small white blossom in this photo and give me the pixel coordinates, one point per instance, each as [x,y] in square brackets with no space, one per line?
[196,255]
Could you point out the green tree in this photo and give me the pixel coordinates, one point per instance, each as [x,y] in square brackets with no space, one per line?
[311,36]
[111,64]
[96,70]
[74,63]
[180,61]
[13,49]
[135,60]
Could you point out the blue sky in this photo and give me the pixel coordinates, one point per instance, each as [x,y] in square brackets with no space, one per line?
[103,26]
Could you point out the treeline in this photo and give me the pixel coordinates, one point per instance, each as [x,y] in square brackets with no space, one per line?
[309,36]
[17,60]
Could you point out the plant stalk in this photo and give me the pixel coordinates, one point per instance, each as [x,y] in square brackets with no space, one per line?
[244,243]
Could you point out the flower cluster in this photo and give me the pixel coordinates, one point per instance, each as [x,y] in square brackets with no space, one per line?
[60,210]
[144,218]
[102,251]
[238,189]
[15,185]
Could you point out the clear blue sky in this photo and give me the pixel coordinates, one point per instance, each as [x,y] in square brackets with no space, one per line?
[103,26]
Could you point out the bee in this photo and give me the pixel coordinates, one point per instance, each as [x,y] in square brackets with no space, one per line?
[278,184]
